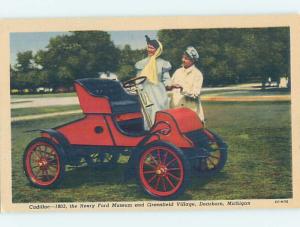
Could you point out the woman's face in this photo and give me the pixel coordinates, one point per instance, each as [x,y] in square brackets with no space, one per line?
[151,50]
[186,61]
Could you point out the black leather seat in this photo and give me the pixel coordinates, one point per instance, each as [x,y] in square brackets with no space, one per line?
[121,102]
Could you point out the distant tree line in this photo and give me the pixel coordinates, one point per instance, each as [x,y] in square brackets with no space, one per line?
[227,56]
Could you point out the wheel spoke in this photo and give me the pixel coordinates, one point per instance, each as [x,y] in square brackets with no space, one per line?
[53,167]
[38,173]
[152,178]
[158,155]
[172,169]
[37,154]
[216,157]
[164,184]
[211,162]
[153,159]
[165,158]
[51,160]
[47,174]
[157,183]
[51,153]
[172,175]
[43,173]
[148,164]
[170,182]
[41,151]
[46,154]
[38,148]
[149,171]
[174,159]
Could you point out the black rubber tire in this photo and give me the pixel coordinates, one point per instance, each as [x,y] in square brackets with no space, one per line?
[185,169]
[60,157]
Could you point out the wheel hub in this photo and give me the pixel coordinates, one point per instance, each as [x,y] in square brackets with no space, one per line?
[161,170]
[43,163]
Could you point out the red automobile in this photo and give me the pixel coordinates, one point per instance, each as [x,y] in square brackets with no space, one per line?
[161,158]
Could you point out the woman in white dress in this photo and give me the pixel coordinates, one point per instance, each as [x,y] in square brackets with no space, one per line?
[187,83]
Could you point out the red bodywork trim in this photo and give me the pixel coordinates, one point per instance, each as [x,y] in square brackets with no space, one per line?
[99,114]
[129,116]
[83,132]
[187,120]
[92,104]
[175,136]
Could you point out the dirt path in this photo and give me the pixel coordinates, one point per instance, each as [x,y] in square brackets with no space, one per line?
[73,100]
[247,98]
[39,102]
[212,99]
[40,116]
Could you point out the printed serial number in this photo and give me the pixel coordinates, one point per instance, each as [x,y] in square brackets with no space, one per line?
[281,201]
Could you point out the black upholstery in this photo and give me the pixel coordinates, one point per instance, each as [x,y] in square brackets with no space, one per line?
[121,102]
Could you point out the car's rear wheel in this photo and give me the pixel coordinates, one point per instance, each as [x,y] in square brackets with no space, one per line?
[44,163]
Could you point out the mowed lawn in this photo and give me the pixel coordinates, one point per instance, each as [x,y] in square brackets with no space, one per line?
[259,160]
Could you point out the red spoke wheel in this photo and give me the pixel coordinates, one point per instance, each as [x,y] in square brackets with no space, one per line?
[44,163]
[163,170]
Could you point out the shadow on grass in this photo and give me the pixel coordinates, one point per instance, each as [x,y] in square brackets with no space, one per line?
[97,175]
[198,183]
[115,175]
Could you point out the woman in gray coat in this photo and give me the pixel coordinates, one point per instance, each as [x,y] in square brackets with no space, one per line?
[157,72]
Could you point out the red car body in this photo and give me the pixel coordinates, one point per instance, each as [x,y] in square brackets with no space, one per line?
[113,124]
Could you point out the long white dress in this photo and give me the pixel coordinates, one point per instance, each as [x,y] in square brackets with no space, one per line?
[156,92]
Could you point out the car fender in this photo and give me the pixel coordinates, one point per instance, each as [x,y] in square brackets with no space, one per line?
[57,138]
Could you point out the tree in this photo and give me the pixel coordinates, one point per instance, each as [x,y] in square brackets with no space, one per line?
[272,50]
[232,55]
[128,58]
[24,61]
[227,56]
[79,55]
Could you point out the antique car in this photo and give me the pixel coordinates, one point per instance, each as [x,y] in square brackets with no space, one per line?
[162,158]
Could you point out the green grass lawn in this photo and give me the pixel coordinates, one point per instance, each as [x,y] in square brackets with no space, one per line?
[42,110]
[259,163]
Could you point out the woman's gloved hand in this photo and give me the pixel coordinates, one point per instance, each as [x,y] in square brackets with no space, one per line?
[184,93]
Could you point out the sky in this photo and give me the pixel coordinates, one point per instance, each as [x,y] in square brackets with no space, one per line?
[35,41]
